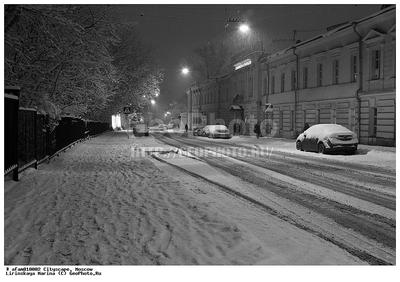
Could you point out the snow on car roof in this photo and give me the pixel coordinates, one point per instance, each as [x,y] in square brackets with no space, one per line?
[217,126]
[323,130]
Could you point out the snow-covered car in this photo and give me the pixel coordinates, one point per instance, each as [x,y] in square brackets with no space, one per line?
[216,131]
[323,138]
[158,128]
[140,129]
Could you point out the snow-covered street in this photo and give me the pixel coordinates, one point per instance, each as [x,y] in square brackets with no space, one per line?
[114,200]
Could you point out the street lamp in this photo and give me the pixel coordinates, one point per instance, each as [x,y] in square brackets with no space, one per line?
[153,102]
[244,28]
[185,70]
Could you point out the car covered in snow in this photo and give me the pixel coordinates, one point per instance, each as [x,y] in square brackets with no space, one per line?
[216,131]
[158,128]
[140,129]
[324,138]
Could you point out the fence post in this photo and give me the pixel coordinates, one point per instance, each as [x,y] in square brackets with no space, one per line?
[11,108]
[35,135]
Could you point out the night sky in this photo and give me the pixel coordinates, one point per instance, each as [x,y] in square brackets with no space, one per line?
[174,31]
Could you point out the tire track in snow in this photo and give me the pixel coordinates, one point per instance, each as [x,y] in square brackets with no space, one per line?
[344,215]
[374,186]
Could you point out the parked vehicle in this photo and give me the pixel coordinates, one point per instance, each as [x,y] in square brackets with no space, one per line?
[198,131]
[324,138]
[217,131]
[140,129]
[158,128]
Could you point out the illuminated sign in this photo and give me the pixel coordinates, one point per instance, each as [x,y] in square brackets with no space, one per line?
[242,64]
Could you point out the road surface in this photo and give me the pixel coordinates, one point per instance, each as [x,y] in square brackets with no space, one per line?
[118,201]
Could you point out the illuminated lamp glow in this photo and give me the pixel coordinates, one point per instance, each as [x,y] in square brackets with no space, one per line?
[242,64]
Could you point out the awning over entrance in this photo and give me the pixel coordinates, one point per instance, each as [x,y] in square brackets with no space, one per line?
[235,108]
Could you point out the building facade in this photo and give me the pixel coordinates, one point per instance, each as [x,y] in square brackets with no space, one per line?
[345,76]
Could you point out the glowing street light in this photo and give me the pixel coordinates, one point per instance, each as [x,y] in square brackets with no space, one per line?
[185,70]
[153,102]
[244,28]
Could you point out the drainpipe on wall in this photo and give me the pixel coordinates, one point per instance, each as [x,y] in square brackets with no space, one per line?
[360,77]
[296,87]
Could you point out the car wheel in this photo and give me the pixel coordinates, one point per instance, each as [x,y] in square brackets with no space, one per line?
[298,146]
[321,148]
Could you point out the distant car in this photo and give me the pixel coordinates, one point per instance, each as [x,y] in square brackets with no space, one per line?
[198,131]
[324,138]
[217,131]
[140,129]
[158,128]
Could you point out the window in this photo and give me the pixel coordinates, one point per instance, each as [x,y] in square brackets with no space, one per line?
[376,64]
[250,86]
[305,77]
[272,84]
[335,72]
[281,119]
[373,113]
[353,70]
[265,86]
[317,116]
[319,75]
[283,82]
[293,80]
[333,115]
[292,120]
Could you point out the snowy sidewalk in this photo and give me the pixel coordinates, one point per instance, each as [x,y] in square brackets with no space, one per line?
[99,204]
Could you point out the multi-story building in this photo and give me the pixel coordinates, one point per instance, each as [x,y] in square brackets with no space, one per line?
[345,76]
[202,103]
[232,99]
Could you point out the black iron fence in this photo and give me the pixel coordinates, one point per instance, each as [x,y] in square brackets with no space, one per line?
[29,139]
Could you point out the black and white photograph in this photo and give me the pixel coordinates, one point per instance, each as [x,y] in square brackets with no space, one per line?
[198,134]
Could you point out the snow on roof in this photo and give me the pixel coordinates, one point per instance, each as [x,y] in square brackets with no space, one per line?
[333,31]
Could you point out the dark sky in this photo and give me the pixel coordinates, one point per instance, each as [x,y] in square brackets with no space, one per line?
[175,31]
